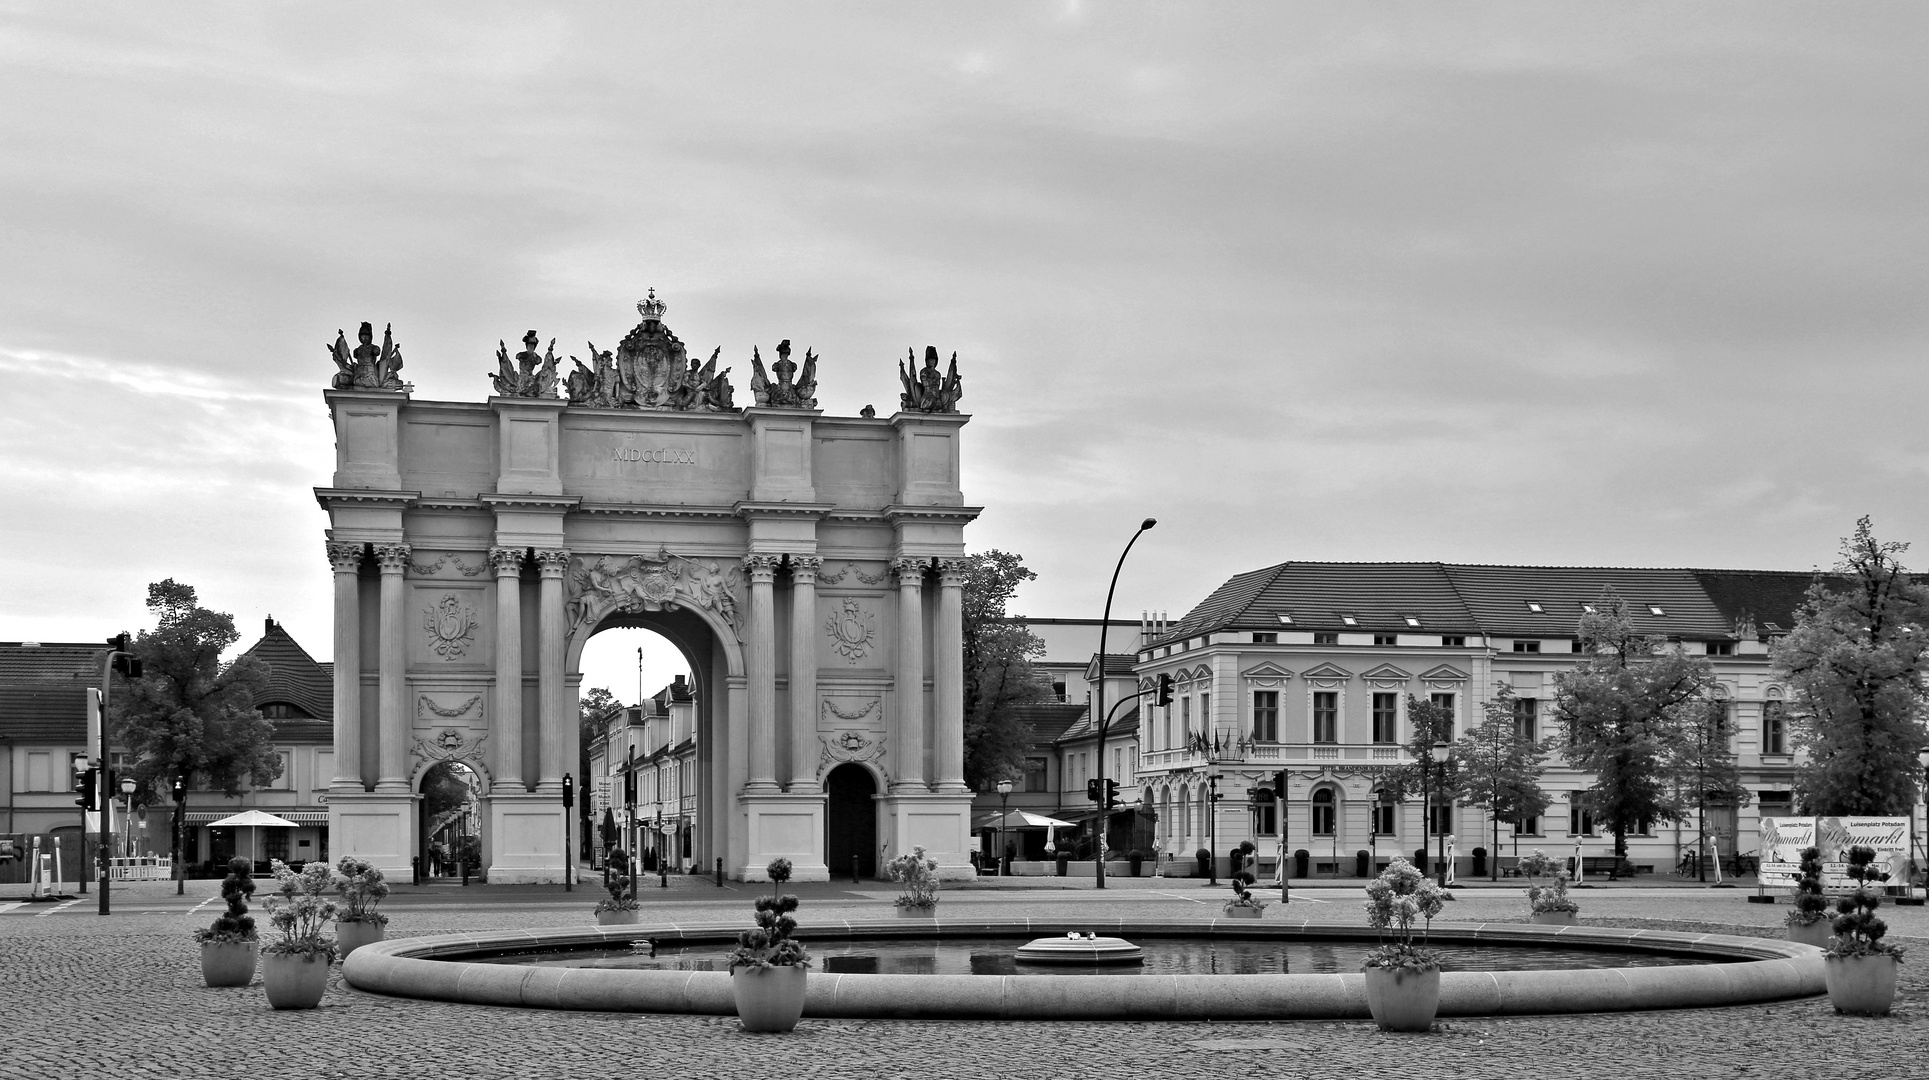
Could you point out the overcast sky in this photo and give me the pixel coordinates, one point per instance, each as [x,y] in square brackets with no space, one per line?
[1518,283]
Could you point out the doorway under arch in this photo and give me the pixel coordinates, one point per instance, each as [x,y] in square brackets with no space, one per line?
[451,820]
[850,819]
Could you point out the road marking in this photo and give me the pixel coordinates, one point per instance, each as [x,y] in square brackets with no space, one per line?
[56,909]
[203,904]
[4,908]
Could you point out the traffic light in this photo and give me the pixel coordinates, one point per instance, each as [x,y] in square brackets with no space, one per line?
[1164,697]
[180,789]
[1111,793]
[1091,789]
[1279,784]
[629,789]
[124,662]
[87,783]
[569,791]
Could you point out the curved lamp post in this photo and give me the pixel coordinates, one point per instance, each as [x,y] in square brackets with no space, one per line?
[1099,718]
[1438,753]
[1004,808]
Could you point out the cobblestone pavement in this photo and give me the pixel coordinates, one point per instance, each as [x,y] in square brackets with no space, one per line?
[123,995]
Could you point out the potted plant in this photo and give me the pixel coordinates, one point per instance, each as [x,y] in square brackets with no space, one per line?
[769,968]
[619,908]
[919,873]
[1204,859]
[1859,969]
[1245,904]
[294,968]
[361,887]
[229,948]
[1809,923]
[1134,860]
[1402,979]
[1547,899]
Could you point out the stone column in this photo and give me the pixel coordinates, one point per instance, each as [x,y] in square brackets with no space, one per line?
[762,664]
[909,728]
[392,770]
[947,648]
[552,694]
[347,561]
[508,697]
[803,674]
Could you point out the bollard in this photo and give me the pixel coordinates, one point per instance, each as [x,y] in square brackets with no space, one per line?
[719,872]
[415,869]
[855,880]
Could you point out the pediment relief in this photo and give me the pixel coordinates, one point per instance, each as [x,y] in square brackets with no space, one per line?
[1327,671]
[1444,673]
[1268,670]
[1385,673]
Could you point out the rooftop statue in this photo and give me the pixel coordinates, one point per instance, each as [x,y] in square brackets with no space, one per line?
[784,393]
[532,375]
[929,391]
[367,367]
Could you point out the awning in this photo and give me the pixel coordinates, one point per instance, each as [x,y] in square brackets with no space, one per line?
[292,817]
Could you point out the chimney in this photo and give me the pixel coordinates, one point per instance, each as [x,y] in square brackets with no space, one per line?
[270,627]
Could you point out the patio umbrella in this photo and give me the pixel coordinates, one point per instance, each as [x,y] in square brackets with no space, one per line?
[1023,819]
[255,820]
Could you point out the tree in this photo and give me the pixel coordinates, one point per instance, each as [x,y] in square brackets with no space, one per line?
[1438,782]
[594,709]
[1624,713]
[1855,664]
[1705,768]
[190,714]
[998,671]
[1499,770]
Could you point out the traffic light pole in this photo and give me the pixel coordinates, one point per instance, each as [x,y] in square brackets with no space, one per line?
[100,774]
[1098,707]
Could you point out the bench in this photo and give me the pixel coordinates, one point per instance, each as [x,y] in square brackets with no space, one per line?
[1605,866]
[1509,865]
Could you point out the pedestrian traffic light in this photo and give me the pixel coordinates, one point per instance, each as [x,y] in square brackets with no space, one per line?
[569,791]
[180,789]
[1091,789]
[1165,691]
[86,782]
[1111,793]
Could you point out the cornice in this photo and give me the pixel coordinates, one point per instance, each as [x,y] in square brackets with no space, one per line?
[754,510]
[530,502]
[658,510]
[897,512]
[471,506]
[332,497]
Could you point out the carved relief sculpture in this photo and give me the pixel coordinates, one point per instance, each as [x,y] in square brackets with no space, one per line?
[650,369]
[851,629]
[532,374]
[851,746]
[451,624]
[783,393]
[366,367]
[652,583]
[926,390]
[428,704]
[448,745]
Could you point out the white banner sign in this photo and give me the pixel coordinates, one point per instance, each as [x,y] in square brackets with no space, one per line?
[1781,852]
[1782,841]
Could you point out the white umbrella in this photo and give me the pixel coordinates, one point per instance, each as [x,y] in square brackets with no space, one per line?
[254,819]
[1023,819]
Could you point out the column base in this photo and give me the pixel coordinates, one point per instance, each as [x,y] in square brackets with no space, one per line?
[525,838]
[376,827]
[783,826]
[940,823]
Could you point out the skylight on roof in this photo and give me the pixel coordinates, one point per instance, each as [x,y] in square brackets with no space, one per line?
[1535,607]
[1655,609]
[1285,618]
[1413,621]
[1587,607]
[1349,620]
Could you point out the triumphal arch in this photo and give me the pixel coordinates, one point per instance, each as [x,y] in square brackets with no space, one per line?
[808,566]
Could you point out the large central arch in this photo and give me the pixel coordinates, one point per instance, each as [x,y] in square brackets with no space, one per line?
[808,567]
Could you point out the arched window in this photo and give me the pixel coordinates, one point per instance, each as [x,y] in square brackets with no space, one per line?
[1324,818]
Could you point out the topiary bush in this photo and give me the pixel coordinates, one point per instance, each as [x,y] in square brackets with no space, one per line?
[770,944]
[1810,907]
[1858,932]
[620,883]
[235,924]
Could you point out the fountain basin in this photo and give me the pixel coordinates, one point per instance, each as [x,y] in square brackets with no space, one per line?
[1071,950]
[1756,970]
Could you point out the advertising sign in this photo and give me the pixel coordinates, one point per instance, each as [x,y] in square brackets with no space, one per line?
[1889,836]
[1781,853]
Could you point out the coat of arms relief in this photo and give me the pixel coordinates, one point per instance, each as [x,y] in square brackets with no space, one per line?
[601,584]
[852,630]
[451,625]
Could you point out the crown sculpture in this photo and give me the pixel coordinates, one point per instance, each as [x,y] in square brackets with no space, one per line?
[649,369]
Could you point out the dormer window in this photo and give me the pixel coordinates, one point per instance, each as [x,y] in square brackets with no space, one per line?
[1536,608]
[1655,609]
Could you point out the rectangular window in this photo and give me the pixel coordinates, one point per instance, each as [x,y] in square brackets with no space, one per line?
[1265,819]
[274,843]
[1453,641]
[40,772]
[1205,713]
[1527,826]
[1526,718]
[1445,701]
[1326,716]
[1721,648]
[1774,728]
[1580,820]
[1185,714]
[1386,718]
[1386,639]
[1526,646]
[1266,715]
[1265,639]
[1383,818]
[1058,689]
[1442,818]
[1168,743]
[286,781]
[1325,637]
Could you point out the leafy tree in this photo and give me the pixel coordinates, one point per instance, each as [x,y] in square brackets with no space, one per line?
[998,670]
[1499,770]
[1705,765]
[593,712]
[1624,712]
[190,714]
[1420,775]
[1855,664]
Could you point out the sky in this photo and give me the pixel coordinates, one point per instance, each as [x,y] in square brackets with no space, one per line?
[1536,283]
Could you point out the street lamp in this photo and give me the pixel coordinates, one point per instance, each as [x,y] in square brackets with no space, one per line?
[127,810]
[1099,719]
[1438,754]
[1004,808]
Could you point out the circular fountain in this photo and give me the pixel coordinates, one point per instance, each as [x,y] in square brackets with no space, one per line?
[1080,948]
[1737,970]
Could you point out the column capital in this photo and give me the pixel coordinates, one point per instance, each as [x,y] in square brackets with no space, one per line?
[804,568]
[551,562]
[761,568]
[910,570]
[345,558]
[392,558]
[952,572]
[507,561]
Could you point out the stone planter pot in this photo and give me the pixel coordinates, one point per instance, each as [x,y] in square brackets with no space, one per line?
[616,918]
[1863,985]
[769,999]
[1403,999]
[1818,934]
[906,911]
[1552,918]
[294,981]
[1244,913]
[356,933]
[229,963]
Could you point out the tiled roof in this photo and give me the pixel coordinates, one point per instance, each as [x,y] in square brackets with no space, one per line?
[1125,723]
[43,710]
[1048,719]
[1118,665]
[1454,598]
[52,660]
[294,677]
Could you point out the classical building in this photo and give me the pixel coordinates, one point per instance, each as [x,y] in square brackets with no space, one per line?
[656,741]
[1307,667]
[806,565]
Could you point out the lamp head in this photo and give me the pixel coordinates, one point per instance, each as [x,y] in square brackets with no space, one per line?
[127,785]
[1438,752]
[1148,523]
[1004,787]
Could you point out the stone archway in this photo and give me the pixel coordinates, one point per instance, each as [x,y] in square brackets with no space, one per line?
[850,820]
